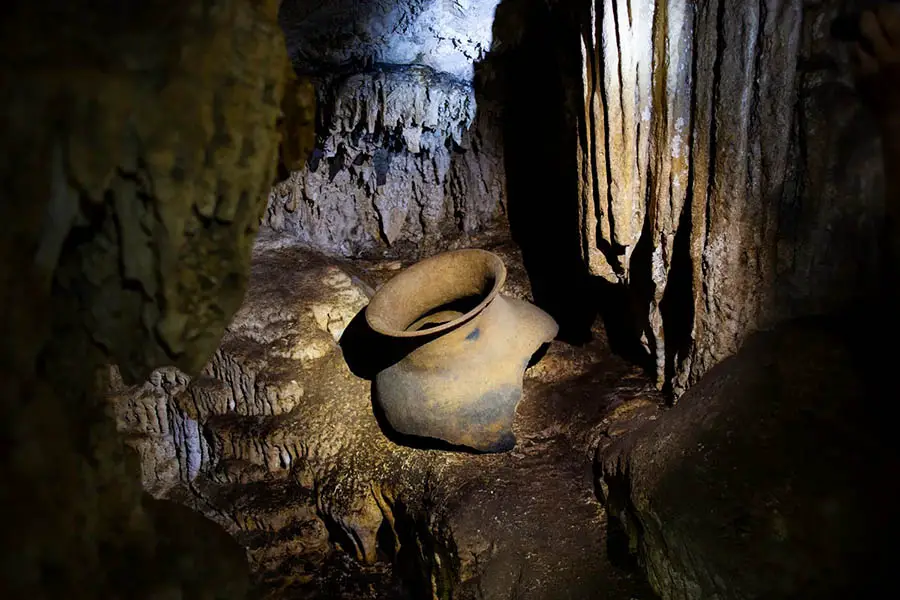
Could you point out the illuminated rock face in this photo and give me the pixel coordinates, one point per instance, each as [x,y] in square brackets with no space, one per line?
[400,161]
[736,187]
[406,155]
[448,36]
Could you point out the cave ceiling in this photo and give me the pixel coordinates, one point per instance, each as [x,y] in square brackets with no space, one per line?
[448,36]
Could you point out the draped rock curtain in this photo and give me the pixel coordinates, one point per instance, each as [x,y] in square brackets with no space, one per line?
[727,173]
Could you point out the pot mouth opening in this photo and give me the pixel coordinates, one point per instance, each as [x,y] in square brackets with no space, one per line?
[437,294]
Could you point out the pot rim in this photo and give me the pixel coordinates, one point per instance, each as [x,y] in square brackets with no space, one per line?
[499,279]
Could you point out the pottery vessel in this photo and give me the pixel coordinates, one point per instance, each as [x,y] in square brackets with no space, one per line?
[466,349]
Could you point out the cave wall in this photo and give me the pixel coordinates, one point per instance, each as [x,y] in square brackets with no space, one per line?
[141,144]
[158,155]
[728,172]
[404,160]
[408,156]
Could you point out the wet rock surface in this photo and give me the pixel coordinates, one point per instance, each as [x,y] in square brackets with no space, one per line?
[767,479]
[278,442]
[445,35]
[405,161]
[739,185]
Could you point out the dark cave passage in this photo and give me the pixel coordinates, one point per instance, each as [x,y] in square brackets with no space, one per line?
[538,135]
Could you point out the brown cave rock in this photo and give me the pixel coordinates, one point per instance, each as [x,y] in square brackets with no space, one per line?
[729,172]
[140,143]
[769,479]
[200,198]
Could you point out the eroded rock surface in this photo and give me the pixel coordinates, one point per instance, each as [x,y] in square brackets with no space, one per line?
[156,180]
[278,442]
[448,36]
[767,480]
[139,143]
[405,160]
[735,183]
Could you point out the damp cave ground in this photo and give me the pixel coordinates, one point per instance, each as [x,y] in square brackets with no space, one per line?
[525,524]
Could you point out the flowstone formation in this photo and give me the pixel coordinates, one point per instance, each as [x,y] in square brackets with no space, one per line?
[765,480]
[278,441]
[728,172]
[406,156]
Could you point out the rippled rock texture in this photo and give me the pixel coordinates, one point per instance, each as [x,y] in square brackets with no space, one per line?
[405,161]
[729,173]
[406,157]
[278,441]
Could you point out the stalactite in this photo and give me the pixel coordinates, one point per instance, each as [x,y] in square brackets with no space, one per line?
[686,140]
[617,52]
[401,157]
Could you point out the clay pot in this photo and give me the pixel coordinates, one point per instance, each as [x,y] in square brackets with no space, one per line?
[460,379]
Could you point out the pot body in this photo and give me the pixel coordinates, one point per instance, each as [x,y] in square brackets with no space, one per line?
[463,385]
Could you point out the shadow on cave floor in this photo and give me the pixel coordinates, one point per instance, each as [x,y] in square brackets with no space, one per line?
[533,49]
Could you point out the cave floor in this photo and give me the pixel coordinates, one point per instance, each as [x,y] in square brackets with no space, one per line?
[525,524]
[533,511]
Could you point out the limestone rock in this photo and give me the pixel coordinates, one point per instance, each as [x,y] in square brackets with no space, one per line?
[298,124]
[277,434]
[161,170]
[292,461]
[766,479]
[729,173]
[140,143]
[448,36]
[161,436]
[404,160]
